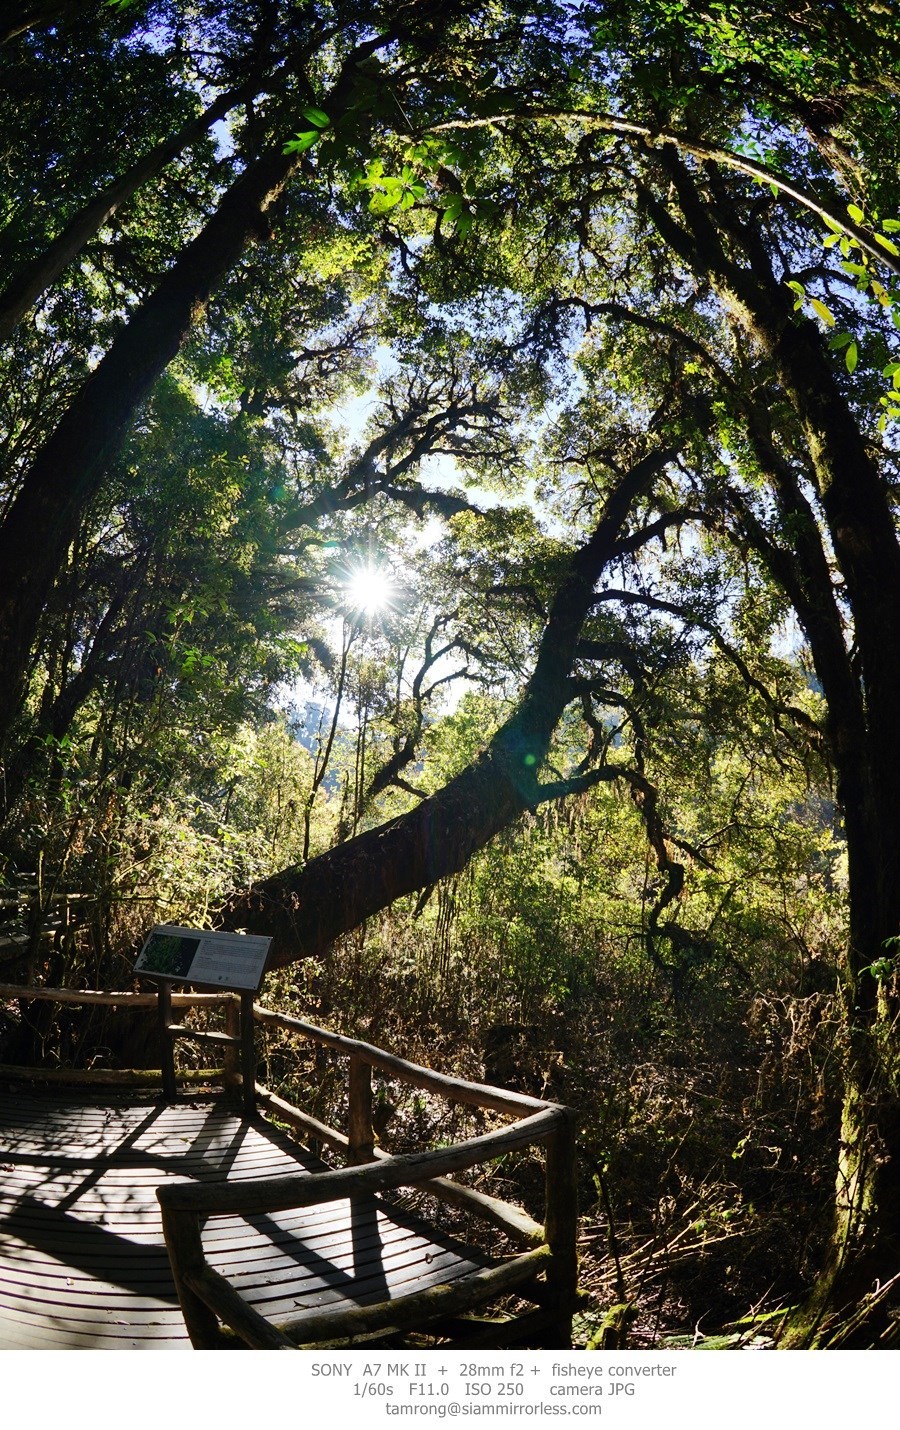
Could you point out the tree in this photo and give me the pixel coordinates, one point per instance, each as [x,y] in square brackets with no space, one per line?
[829,501]
[636,210]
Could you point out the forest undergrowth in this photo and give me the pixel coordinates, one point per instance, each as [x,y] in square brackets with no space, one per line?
[707,1089]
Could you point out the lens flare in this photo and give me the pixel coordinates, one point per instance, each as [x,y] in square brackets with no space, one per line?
[370,590]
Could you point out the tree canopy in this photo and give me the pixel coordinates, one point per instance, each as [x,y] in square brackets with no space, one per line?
[570,328]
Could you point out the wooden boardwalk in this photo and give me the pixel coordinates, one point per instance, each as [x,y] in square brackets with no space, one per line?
[83,1264]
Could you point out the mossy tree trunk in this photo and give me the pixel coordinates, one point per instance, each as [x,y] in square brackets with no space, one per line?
[849,522]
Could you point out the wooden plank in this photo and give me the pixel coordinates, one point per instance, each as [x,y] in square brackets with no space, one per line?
[82,1258]
[324,1260]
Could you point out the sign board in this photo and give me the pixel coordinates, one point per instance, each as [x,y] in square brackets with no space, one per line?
[226,960]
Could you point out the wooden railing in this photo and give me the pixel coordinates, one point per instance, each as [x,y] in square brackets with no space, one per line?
[112,1077]
[30,915]
[207,1297]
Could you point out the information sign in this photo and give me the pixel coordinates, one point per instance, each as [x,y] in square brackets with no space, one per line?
[226,960]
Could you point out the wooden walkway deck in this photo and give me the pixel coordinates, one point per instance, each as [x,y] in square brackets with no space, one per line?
[83,1263]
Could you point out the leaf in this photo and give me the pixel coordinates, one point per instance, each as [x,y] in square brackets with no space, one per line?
[302,142]
[851,357]
[318,117]
[381,203]
[891,369]
[891,225]
[839,340]
[796,287]
[824,312]
[887,243]
[856,213]
[834,226]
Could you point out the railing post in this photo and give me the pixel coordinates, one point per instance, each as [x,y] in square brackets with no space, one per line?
[185,1247]
[231,1059]
[561,1228]
[248,1055]
[359,1130]
[164,1019]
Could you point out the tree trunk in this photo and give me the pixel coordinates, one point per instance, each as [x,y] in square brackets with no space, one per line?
[305,908]
[16,17]
[33,280]
[853,1297]
[68,471]
[848,1306]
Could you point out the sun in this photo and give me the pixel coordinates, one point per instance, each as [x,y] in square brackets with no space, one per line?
[370,590]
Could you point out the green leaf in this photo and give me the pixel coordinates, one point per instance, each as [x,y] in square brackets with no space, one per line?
[796,287]
[856,213]
[839,340]
[887,243]
[891,369]
[318,117]
[835,227]
[851,357]
[302,142]
[381,203]
[823,312]
[891,225]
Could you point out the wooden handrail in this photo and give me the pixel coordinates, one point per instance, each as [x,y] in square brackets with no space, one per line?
[206,1296]
[349,1323]
[128,999]
[253,1198]
[506,1216]
[474,1094]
